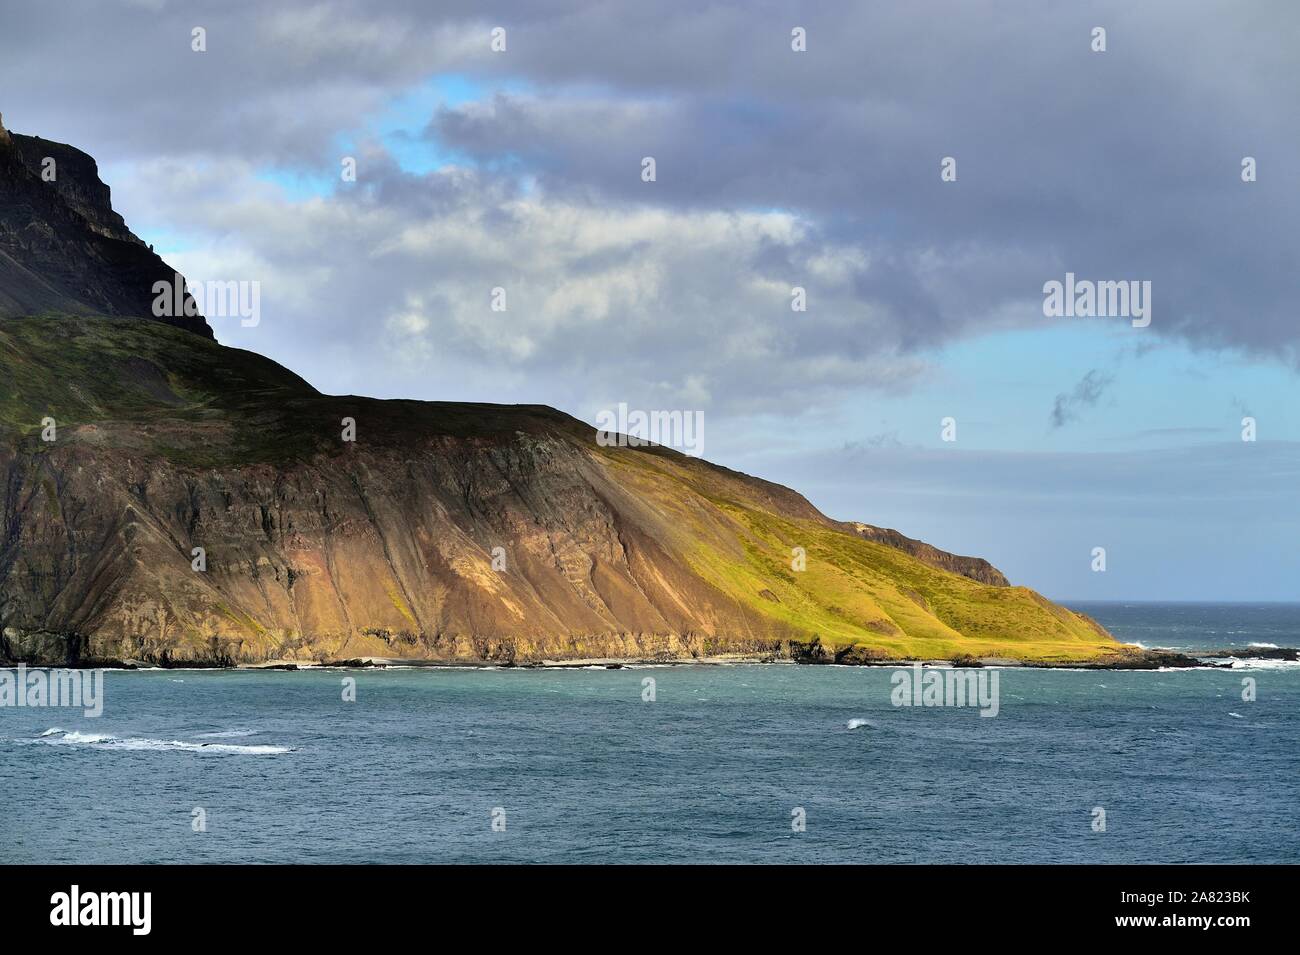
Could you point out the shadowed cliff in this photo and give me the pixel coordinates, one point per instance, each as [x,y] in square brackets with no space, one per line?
[62,247]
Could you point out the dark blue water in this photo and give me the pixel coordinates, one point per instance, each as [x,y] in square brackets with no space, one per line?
[1192,627]
[710,772]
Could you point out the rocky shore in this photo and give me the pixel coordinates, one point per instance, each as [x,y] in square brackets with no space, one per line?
[1257,653]
[809,654]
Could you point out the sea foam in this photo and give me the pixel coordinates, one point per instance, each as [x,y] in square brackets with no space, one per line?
[59,737]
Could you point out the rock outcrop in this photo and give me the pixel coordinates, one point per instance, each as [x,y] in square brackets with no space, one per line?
[63,248]
[976,568]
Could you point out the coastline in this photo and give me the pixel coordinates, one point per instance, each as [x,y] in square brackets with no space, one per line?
[1132,658]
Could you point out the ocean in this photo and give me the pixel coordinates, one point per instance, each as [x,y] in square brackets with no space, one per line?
[744,763]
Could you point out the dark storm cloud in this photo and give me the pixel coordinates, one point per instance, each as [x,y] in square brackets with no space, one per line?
[1115,165]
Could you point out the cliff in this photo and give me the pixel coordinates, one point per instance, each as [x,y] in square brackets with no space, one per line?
[976,568]
[62,247]
[319,548]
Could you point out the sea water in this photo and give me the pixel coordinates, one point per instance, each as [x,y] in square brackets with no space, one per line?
[750,763]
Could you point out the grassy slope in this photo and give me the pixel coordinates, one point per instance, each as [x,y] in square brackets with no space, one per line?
[197,402]
[83,371]
[169,392]
[855,592]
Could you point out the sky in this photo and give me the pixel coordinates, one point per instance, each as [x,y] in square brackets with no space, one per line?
[823,168]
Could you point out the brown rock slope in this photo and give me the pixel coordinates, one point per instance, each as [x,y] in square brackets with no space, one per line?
[317,548]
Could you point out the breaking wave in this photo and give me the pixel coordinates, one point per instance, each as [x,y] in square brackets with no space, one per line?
[60,737]
[1255,663]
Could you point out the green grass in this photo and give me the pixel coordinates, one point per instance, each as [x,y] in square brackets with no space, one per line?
[853,592]
[162,389]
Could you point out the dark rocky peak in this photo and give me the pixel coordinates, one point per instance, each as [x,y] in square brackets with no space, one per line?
[62,247]
[77,181]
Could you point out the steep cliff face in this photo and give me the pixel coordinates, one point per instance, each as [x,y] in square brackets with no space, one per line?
[62,247]
[976,568]
[447,531]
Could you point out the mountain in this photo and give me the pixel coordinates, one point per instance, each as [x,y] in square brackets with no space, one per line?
[447,531]
[62,247]
[318,548]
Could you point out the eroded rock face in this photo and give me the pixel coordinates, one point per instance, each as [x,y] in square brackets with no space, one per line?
[62,247]
[384,554]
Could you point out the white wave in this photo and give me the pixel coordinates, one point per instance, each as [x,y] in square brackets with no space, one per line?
[1237,715]
[1257,664]
[63,736]
[227,734]
[1263,646]
[855,723]
[58,737]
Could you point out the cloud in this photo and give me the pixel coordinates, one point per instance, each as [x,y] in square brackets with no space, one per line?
[1116,165]
[1086,394]
[656,306]
[1133,174]
[882,439]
